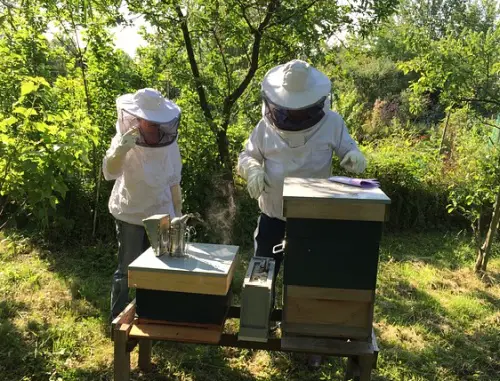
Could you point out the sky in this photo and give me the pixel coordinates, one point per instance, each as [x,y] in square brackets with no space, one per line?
[128,39]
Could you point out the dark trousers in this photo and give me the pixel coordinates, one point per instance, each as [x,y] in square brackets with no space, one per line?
[132,242]
[269,233]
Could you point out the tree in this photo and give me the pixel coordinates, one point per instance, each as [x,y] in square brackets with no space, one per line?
[465,69]
[216,48]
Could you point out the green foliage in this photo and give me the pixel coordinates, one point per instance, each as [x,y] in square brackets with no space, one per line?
[40,148]
[463,69]
[474,172]
[61,93]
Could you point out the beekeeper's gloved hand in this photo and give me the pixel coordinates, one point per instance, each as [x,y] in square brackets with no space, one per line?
[115,159]
[127,141]
[177,199]
[255,180]
[354,161]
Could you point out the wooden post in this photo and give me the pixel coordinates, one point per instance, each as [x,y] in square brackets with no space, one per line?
[145,354]
[122,356]
[365,367]
[352,369]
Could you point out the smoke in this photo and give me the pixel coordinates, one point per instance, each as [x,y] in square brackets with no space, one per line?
[221,212]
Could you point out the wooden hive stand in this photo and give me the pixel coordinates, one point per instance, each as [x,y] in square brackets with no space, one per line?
[127,333]
[333,233]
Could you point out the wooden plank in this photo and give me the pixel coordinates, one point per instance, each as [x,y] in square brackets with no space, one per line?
[142,321]
[325,345]
[365,367]
[323,209]
[206,269]
[175,333]
[230,274]
[317,189]
[201,259]
[121,363]
[198,284]
[330,293]
[145,346]
[125,317]
[318,311]
[326,330]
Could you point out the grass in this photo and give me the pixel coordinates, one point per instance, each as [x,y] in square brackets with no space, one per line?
[435,319]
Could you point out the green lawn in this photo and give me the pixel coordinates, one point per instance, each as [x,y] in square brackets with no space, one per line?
[434,318]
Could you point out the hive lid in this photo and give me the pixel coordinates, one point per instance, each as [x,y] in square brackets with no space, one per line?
[324,199]
[207,269]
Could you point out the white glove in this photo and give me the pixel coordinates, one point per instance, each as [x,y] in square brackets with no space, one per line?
[127,141]
[255,180]
[354,161]
[114,160]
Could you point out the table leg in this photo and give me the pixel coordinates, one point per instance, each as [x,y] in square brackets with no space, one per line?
[122,357]
[145,354]
[352,371]
[365,366]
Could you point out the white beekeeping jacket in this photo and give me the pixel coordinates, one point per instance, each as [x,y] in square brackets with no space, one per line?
[142,188]
[305,153]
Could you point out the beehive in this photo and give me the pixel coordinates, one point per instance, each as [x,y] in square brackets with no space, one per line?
[195,289]
[333,234]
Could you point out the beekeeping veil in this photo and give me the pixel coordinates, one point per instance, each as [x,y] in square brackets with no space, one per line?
[150,105]
[295,96]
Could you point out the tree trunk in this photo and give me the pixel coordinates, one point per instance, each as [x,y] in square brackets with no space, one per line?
[484,251]
[444,133]
[224,155]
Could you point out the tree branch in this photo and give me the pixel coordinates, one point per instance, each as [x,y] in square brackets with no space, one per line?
[492,101]
[223,56]
[245,17]
[194,69]
[254,61]
[295,13]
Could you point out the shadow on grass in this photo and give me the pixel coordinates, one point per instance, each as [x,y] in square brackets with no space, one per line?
[18,350]
[441,250]
[88,272]
[446,347]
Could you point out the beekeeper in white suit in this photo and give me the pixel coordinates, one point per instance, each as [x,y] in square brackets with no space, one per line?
[145,161]
[296,137]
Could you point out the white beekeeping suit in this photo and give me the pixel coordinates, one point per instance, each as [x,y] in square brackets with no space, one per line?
[145,162]
[296,137]
[148,176]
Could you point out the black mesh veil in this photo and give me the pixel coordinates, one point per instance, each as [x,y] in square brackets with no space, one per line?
[167,132]
[294,119]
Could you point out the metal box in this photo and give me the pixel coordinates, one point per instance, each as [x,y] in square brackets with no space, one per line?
[257,297]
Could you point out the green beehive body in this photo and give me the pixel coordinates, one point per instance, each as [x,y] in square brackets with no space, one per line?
[327,253]
[333,234]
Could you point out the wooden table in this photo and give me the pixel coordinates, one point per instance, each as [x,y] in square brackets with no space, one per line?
[128,332]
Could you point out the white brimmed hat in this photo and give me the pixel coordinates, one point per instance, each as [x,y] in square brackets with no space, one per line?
[148,104]
[295,85]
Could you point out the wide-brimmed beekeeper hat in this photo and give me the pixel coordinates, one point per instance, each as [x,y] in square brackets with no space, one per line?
[295,85]
[148,104]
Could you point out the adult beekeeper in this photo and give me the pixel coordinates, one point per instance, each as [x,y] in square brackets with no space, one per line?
[145,161]
[296,137]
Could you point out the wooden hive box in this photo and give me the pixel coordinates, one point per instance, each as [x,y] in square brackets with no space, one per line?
[333,233]
[194,290]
